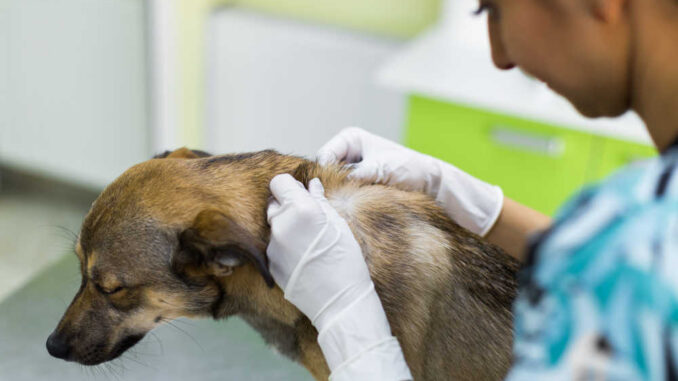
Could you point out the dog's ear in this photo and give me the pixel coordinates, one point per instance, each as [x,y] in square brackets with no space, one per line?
[215,244]
[182,153]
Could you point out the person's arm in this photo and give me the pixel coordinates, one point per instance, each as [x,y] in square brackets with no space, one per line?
[515,225]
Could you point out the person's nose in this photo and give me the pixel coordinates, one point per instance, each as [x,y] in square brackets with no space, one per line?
[500,56]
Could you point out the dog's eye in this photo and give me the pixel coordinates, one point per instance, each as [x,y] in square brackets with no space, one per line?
[109,292]
[113,291]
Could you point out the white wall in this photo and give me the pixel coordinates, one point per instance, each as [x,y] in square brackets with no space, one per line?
[73,87]
[274,83]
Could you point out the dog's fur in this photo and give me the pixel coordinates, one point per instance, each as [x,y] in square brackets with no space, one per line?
[185,235]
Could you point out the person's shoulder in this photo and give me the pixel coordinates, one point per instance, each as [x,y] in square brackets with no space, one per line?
[650,179]
[645,181]
[640,197]
[631,214]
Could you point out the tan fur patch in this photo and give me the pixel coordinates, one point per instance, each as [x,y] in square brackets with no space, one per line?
[91,262]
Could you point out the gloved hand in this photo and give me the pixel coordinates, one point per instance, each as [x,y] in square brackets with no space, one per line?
[316,260]
[472,203]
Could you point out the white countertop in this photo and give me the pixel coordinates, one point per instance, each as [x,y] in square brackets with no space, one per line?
[441,65]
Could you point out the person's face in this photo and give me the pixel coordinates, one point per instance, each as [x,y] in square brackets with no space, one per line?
[579,48]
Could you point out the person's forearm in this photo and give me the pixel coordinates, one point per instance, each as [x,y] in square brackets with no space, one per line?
[515,225]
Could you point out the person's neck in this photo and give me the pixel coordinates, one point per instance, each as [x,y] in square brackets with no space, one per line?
[655,69]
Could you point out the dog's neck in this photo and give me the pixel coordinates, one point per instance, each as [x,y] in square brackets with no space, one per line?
[245,292]
[243,185]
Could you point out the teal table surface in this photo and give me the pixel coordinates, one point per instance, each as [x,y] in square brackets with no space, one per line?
[188,350]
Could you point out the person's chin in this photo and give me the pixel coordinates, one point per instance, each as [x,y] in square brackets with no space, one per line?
[600,110]
[585,108]
[597,108]
[588,110]
[589,106]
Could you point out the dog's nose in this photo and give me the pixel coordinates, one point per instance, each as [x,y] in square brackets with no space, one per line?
[57,347]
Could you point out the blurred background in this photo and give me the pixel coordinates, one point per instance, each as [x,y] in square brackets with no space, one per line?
[90,87]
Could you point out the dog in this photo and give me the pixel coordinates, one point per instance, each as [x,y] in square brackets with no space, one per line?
[185,235]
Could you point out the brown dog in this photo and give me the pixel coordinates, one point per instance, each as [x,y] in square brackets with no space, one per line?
[186,235]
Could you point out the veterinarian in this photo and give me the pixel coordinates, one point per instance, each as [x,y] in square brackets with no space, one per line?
[597,290]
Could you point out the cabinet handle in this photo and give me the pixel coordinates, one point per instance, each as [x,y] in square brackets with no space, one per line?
[525,141]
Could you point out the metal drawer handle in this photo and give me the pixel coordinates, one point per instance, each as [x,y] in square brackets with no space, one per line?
[549,146]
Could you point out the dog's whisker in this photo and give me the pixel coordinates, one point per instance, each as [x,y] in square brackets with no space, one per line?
[147,348]
[101,370]
[97,371]
[88,370]
[128,357]
[69,235]
[118,371]
[66,230]
[120,364]
[169,322]
[108,371]
[83,368]
[184,322]
[63,301]
[157,339]
[147,354]
[121,368]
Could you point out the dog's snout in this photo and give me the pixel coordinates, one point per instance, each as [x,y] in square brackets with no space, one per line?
[57,347]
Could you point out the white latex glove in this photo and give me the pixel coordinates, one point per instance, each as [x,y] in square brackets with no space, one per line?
[316,260]
[472,203]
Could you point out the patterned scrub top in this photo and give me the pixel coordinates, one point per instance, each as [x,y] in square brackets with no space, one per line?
[598,295]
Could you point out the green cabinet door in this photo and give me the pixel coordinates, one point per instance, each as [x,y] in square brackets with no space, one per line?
[536,164]
[613,154]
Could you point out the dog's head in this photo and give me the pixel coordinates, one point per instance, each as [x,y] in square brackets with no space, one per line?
[156,245]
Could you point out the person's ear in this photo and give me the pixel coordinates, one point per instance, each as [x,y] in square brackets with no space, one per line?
[182,153]
[215,245]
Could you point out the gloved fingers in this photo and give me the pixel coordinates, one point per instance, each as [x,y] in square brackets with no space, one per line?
[365,171]
[333,151]
[274,208]
[315,187]
[345,146]
[286,188]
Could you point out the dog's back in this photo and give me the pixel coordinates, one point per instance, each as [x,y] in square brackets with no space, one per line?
[446,292]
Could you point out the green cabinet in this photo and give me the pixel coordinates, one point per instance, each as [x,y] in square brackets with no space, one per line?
[536,164]
[614,154]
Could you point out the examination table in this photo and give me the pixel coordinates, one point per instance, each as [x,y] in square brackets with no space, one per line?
[195,350]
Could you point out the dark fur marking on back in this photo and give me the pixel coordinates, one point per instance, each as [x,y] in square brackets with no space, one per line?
[198,153]
[304,172]
[225,159]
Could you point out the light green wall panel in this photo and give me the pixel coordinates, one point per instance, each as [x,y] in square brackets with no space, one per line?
[391,18]
[400,18]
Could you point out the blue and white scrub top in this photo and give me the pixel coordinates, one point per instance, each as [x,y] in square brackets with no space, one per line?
[598,296]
